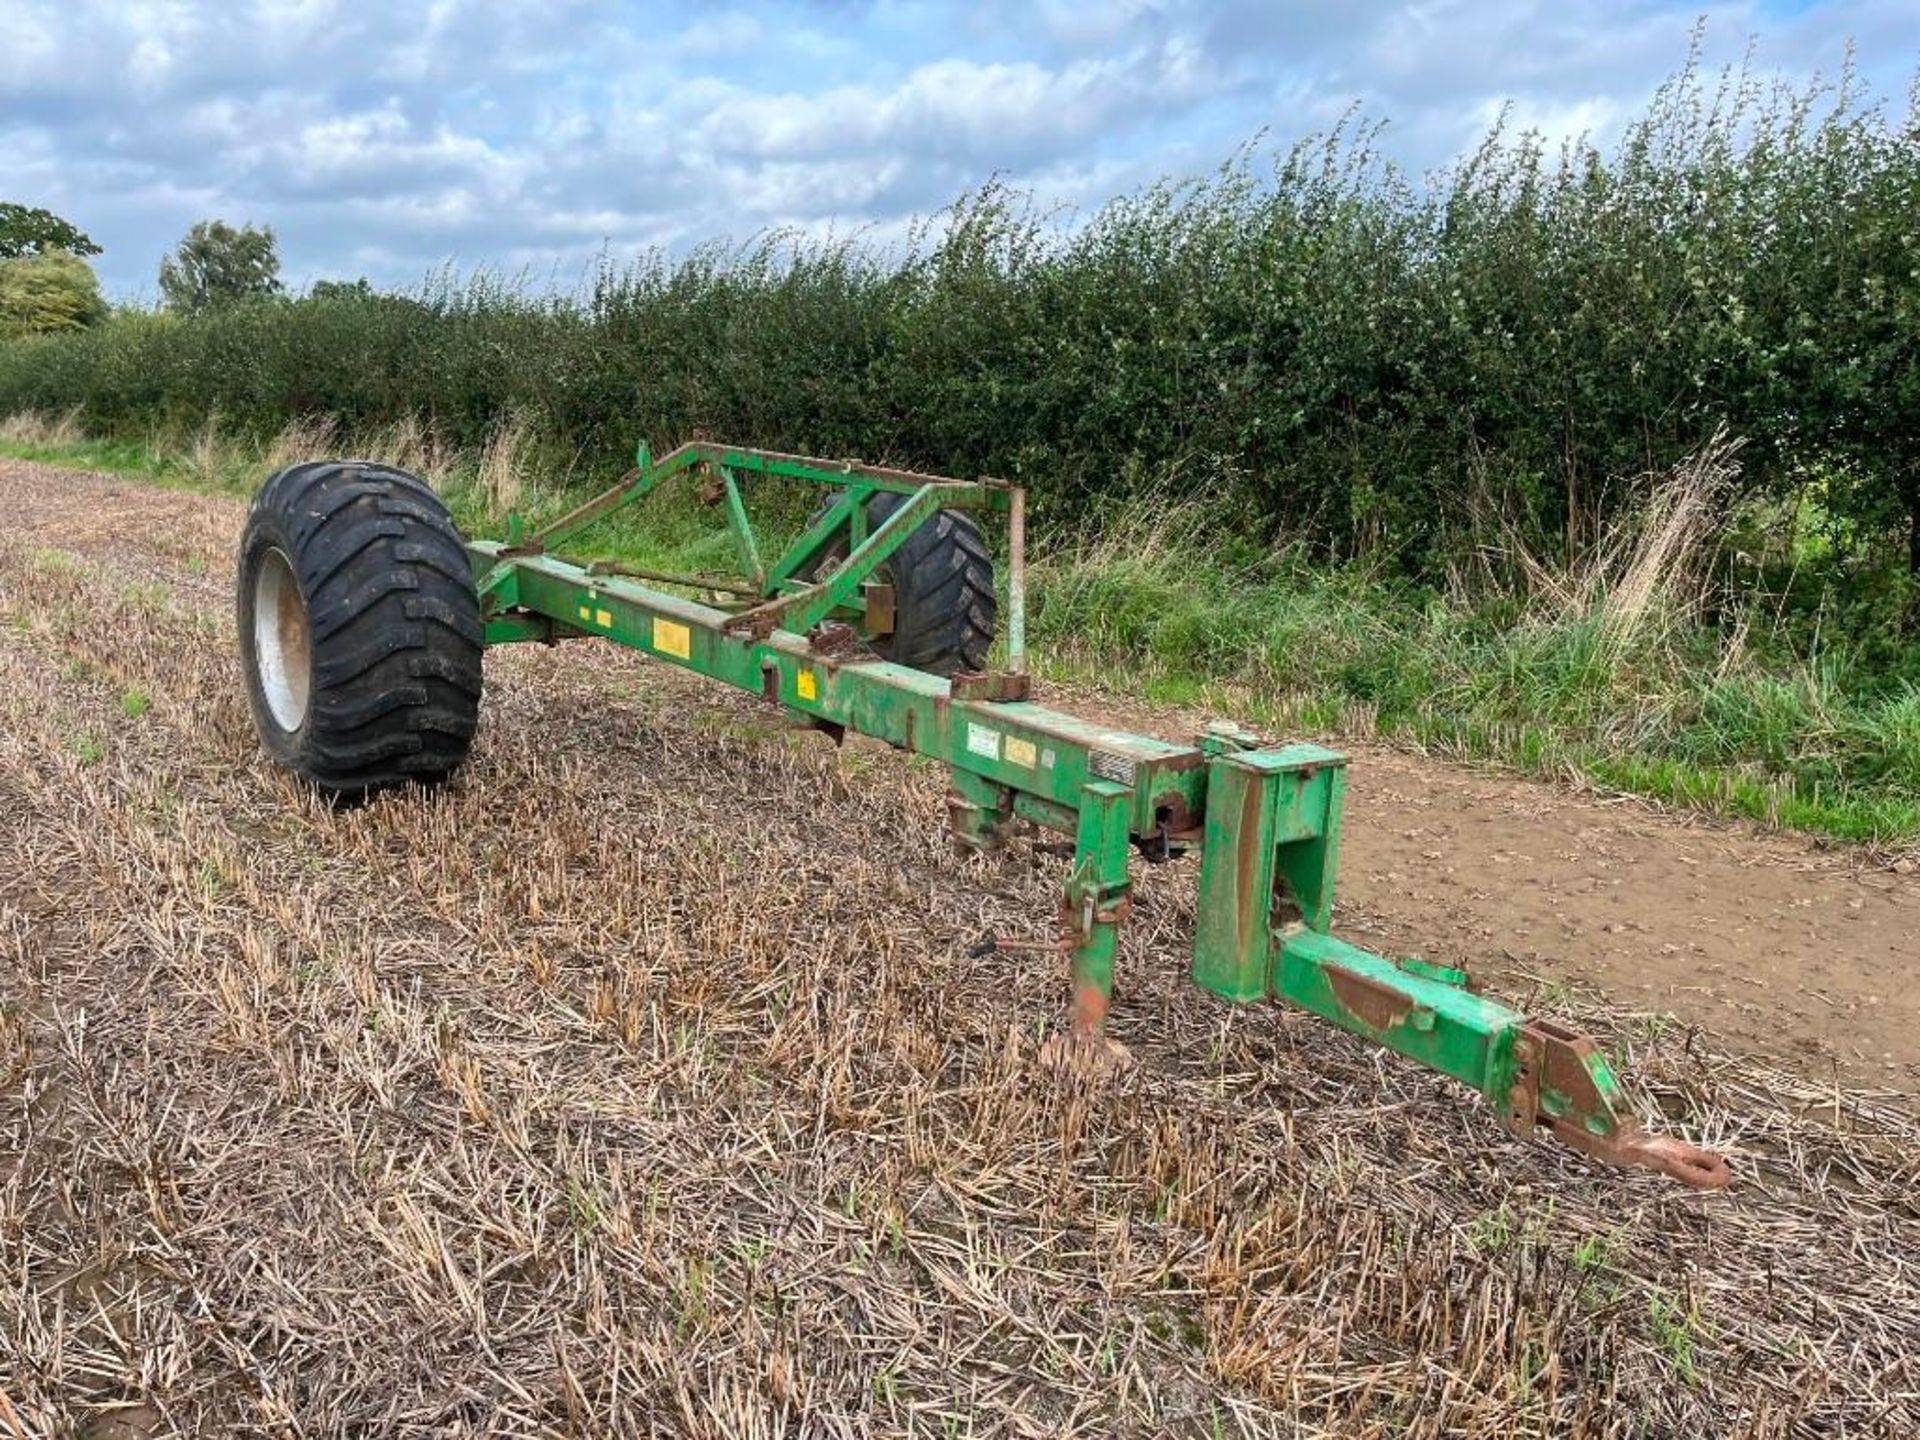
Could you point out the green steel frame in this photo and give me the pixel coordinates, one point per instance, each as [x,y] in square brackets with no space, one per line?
[1266,821]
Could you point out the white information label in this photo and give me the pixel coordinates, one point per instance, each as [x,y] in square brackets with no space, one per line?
[982,741]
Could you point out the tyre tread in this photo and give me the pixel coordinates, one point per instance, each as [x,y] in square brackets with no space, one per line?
[393,621]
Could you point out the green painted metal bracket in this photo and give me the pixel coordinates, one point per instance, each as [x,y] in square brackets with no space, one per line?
[1032,751]
[749,547]
[1269,848]
[787,599]
[803,609]
[1097,899]
[1271,839]
[731,461]
[804,553]
[635,486]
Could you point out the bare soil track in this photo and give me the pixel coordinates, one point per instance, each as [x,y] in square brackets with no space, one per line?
[641,1083]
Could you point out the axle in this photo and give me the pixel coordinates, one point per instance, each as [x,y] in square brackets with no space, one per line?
[1266,821]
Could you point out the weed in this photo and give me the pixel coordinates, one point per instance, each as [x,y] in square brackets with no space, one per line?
[1491,1232]
[1677,1329]
[1595,1259]
[584,1207]
[696,1282]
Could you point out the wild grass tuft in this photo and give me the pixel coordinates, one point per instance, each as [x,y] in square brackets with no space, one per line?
[37,428]
[1611,669]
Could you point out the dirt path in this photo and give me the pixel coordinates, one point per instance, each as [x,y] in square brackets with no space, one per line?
[642,1082]
[1769,944]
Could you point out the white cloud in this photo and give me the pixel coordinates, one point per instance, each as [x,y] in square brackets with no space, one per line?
[954,106]
[718,36]
[527,131]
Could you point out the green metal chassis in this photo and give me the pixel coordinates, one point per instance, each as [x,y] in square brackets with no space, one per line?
[1266,821]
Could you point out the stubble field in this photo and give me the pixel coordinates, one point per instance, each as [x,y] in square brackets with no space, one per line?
[643,1082]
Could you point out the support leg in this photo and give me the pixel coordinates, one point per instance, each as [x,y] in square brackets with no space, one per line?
[978,811]
[1267,862]
[1096,900]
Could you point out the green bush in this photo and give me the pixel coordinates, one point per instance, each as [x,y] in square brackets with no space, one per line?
[1434,378]
[46,294]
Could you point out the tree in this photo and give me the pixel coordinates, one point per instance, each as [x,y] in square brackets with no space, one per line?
[216,264]
[40,294]
[26,231]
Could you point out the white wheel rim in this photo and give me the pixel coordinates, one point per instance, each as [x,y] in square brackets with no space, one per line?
[282,647]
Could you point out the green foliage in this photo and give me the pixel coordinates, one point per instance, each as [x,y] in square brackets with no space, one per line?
[1331,352]
[1435,378]
[47,294]
[1677,1329]
[217,265]
[28,231]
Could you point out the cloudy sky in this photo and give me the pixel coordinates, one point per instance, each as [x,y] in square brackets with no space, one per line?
[381,137]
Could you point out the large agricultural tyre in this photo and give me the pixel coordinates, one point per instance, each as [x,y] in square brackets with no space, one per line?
[943,600]
[360,630]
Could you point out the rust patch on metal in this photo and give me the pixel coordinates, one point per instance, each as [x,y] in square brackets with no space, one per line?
[1522,1100]
[719,583]
[1180,821]
[1565,1065]
[757,623]
[1251,899]
[835,640]
[1089,1009]
[880,606]
[1632,1148]
[1563,1068]
[1377,1006]
[995,685]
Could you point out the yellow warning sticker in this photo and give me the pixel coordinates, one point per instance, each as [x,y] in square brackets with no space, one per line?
[1020,752]
[671,638]
[586,612]
[806,686]
[603,619]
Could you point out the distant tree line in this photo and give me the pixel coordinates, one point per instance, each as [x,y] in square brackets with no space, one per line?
[47,288]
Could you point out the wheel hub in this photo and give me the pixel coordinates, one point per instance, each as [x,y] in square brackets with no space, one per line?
[282,642]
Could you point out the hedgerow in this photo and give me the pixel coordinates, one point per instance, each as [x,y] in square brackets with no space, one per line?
[1436,376]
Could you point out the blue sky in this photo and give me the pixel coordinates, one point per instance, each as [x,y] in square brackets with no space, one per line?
[382,139]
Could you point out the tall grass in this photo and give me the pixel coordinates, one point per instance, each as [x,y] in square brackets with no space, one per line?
[1613,670]
[1610,673]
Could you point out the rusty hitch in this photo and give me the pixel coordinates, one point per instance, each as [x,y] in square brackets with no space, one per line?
[1561,1082]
